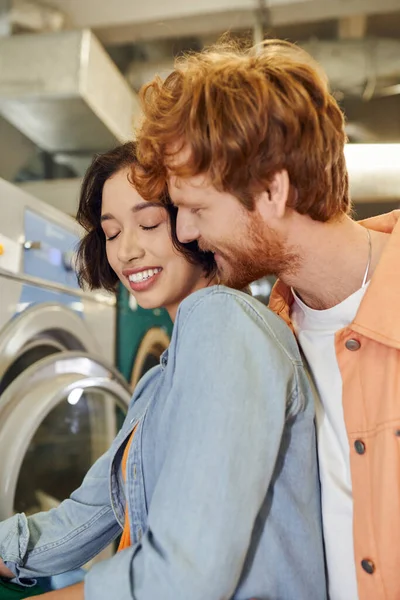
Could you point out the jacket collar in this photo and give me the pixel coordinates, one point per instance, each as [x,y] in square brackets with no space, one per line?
[378,316]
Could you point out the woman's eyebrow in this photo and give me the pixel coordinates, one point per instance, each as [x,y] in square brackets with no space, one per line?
[143,205]
[137,208]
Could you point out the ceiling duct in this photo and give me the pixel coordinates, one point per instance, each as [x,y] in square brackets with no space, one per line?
[29,15]
[352,66]
[16,150]
[64,93]
[356,66]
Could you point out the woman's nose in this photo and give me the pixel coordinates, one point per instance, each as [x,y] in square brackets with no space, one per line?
[129,248]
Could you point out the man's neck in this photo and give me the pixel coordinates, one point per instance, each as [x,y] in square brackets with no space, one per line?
[334,258]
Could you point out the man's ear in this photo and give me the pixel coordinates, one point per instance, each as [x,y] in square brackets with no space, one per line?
[272,203]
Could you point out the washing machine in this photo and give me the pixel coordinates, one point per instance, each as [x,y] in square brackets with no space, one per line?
[61,399]
[142,336]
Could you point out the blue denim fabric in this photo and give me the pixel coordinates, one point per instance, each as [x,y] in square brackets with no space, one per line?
[222,487]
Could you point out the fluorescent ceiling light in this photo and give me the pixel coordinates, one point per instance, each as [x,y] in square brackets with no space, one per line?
[372,157]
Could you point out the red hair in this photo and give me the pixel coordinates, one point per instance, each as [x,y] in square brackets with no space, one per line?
[244,115]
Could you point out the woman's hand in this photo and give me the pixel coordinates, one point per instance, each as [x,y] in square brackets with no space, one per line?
[5,571]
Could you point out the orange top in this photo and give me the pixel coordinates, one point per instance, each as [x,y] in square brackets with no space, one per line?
[370,371]
[125,540]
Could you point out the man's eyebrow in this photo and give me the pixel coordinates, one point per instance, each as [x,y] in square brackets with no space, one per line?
[135,209]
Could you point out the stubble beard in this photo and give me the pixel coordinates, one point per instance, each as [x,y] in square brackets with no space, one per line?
[256,253]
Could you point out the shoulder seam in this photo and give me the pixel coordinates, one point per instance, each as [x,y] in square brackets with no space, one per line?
[259,317]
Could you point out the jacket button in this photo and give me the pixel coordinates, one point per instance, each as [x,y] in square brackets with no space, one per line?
[368,566]
[353,345]
[359,446]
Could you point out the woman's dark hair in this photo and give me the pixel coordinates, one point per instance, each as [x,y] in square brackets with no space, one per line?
[93,268]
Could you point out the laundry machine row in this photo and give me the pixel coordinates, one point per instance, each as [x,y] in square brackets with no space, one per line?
[61,399]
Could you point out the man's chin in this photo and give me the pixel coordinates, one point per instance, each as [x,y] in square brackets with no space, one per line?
[235,278]
[229,281]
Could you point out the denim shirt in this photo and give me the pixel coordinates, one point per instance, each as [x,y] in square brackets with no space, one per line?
[222,485]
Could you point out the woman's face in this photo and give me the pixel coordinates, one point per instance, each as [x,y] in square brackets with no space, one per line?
[140,250]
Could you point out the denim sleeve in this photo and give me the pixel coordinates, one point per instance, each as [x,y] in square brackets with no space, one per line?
[226,415]
[63,538]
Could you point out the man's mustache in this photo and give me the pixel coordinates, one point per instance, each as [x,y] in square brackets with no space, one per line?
[204,247]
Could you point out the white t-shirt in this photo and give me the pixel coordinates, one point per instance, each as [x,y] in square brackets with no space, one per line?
[315,331]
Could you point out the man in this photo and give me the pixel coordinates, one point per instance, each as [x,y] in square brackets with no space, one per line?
[251,147]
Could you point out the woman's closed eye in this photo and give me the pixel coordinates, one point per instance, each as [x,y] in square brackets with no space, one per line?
[111,237]
[149,227]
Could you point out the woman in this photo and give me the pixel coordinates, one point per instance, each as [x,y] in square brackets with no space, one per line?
[212,478]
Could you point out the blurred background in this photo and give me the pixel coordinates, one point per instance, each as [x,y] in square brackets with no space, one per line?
[70,73]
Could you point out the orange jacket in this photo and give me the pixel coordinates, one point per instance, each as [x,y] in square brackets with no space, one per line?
[368,354]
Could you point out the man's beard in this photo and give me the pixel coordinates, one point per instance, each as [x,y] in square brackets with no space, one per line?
[258,252]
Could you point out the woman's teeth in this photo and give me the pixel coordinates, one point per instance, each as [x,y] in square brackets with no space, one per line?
[143,275]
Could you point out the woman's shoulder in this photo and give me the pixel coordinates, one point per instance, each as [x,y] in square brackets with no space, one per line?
[217,318]
[212,295]
[146,386]
[221,304]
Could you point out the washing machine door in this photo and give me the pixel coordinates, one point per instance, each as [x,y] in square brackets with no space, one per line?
[39,331]
[56,419]
[153,344]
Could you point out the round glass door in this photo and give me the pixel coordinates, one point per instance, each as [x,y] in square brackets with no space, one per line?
[56,419]
[70,438]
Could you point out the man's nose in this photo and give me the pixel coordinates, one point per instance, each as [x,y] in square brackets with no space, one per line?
[186,229]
